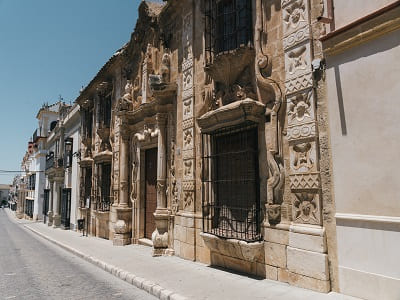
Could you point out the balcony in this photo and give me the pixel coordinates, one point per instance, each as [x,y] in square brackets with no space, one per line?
[37,134]
[53,162]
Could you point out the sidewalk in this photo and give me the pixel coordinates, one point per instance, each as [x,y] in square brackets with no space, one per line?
[170,277]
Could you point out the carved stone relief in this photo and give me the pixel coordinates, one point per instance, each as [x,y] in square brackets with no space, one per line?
[298,61]
[306,208]
[295,16]
[187,126]
[300,108]
[303,157]
[299,83]
[301,125]
[304,181]
[173,182]
[125,103]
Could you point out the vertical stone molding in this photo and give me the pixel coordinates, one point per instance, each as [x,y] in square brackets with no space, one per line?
[307,261]
[161,215]
[302,130]
[188,149]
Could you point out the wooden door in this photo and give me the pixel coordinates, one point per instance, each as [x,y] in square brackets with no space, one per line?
[150,191]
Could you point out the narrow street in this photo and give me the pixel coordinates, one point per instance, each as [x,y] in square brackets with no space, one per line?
[32,268]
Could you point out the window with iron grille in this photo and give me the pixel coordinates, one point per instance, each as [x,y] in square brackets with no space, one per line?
[87,123]
[104,200]
[86,187]
[231,202]
[228,25]
[105,111]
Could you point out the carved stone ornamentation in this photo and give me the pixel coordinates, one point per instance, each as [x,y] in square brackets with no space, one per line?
[302,157]
[137,92]
[295,16]
[121,227]
[135,169]
[173,187]
[187,199]
[125,103]
[274,214]
[87,142]
[298,61]
[231,75]
[104,134]
[306,208]
[304,181]
[299,83]
[300,108]
[160,83]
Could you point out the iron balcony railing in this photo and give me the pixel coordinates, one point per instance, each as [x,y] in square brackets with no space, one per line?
[53,162]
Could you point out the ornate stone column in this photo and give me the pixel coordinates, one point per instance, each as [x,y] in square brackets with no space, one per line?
[56,202]
[161,215]
[122,227]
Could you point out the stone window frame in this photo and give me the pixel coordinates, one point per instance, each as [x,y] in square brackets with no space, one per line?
[236,113]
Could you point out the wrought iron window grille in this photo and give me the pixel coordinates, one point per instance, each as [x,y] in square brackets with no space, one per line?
[103,198]
[230,179]
[228,26]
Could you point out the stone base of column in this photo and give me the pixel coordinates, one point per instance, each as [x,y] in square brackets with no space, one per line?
[163,252]
[19,215]
[50,216]
[160,235]
[122,239]
[122,227]
[56,220]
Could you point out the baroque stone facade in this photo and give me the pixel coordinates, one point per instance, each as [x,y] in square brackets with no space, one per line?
[208,145]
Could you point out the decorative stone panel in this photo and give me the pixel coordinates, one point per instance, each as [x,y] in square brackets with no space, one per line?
[295,16]
[188,131]
[298,60]
[302,129]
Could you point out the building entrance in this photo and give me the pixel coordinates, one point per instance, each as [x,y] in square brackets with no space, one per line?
[150,191]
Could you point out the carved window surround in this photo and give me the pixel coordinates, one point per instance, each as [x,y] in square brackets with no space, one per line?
[232,114]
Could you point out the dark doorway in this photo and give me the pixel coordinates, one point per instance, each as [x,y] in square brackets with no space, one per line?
[46,204]
[65,208]
[150,191]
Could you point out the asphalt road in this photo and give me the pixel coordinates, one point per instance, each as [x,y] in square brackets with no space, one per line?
[33,268]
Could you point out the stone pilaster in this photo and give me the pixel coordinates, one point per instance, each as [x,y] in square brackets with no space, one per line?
[56,202]
[122,227]
[188,130]
[307,261]
[50,212]
[161,215]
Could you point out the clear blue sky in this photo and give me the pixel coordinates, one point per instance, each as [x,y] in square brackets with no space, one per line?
[50,48]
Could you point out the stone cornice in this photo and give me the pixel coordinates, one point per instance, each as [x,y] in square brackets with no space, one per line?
[370,27]
[232,114]
[146,110]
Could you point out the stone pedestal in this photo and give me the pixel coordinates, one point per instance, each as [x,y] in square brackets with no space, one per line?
[122,227]
[50,218]
[102,222]
[56,220]
[160,235]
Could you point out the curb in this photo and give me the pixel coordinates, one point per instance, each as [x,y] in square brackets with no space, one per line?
[141,283]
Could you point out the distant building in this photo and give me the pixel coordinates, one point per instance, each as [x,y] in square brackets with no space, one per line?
[4,193]
[61,191]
